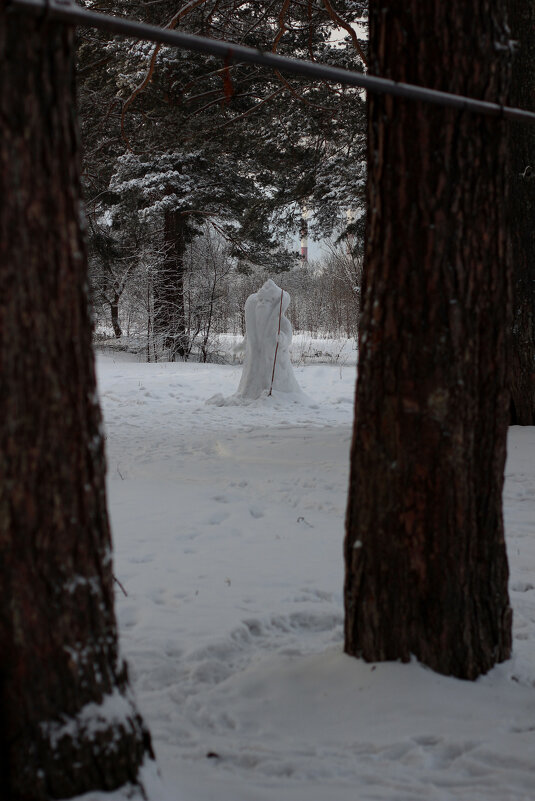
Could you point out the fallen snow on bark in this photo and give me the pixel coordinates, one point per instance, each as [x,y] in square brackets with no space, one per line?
[149,788]
[115,712]
[228,529]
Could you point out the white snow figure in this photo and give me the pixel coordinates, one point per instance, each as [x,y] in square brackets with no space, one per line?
[264,311]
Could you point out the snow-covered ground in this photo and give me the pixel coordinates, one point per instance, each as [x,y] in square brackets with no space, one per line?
[228,529]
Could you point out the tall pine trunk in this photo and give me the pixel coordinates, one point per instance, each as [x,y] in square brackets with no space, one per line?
[426,566]
[114,311]
[68,724]
[169,314]
[522,210]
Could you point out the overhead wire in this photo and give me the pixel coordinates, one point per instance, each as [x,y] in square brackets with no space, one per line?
[66,11]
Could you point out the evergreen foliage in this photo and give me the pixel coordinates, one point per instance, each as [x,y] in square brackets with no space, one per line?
[168,132]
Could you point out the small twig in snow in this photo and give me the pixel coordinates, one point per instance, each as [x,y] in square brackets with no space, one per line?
[120,585]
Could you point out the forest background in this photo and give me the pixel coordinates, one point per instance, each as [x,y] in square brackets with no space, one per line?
[201,178]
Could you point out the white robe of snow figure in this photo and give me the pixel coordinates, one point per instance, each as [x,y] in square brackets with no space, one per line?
[263,311]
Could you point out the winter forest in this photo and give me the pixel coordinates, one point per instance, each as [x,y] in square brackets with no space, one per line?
[267,400]
[202,180]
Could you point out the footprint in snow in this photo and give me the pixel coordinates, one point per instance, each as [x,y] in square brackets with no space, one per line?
[141,560]
[217,518]
[128,616]
[220,498]
[522,586]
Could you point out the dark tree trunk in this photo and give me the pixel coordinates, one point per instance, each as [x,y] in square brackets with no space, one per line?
[114,309]
[59,663]
[426,566]
[169,315]
[522,209]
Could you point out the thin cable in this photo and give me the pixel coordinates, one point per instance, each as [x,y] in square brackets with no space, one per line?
[66,11]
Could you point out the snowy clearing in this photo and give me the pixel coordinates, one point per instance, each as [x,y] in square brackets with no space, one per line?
[228,530]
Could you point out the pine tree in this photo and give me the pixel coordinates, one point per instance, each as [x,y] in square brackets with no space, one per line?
[183,137]
[68,723]
[426,566]
[522,213]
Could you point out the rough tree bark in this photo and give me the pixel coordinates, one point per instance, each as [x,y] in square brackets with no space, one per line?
[114,311]
[522,210]
[426,566]
[67,722]
[169,314]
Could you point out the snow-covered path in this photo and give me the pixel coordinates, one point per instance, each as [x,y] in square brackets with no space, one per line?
[228,529]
